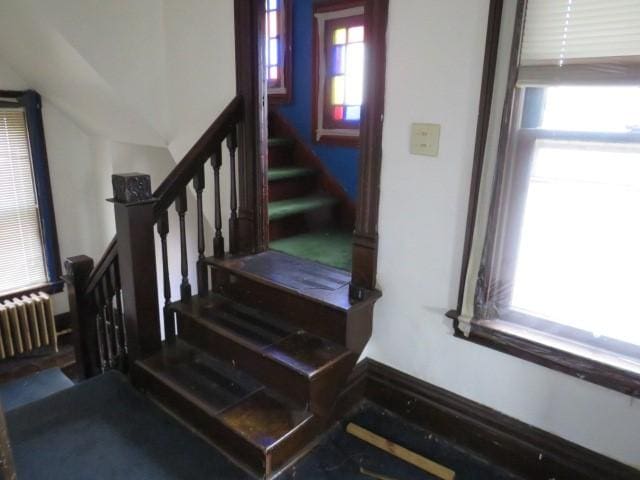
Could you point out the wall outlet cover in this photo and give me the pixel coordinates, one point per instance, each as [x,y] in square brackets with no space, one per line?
[425,139]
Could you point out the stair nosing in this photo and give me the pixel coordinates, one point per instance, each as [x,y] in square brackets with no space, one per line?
[302,172]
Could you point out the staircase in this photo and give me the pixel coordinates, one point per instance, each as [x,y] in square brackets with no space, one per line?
[256,361]
[305,201]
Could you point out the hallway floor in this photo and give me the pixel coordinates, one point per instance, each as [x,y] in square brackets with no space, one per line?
[329,247]
[105,429]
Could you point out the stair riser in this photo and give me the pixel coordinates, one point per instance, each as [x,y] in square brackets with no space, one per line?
[280,156]
[288,382]
[304,313]
[212,428]
[319,218]
[291,188]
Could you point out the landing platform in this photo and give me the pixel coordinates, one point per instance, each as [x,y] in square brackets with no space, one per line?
[329,247]
[320,283]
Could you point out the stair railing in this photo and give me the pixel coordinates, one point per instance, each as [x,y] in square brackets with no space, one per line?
[114,304]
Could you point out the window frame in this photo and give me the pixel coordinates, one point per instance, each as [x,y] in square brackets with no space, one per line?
[517,335]
[282,92]
[31,102]
[324,129]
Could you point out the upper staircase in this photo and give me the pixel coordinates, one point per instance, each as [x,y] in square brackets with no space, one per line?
[257,358]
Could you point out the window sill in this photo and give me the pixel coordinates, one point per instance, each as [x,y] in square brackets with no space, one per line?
[601,368]
[51,288]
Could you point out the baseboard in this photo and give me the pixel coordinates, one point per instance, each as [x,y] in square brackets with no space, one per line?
[510,443]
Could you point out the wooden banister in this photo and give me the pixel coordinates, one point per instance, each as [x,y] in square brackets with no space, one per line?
[102,299]
[181,175]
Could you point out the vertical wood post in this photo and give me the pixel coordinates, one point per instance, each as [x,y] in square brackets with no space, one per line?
[137,261]
[82,313]
[253,222]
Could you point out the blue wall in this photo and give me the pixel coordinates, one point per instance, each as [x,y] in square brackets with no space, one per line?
[342,162]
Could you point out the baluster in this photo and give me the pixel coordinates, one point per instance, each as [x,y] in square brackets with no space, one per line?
[106,322]
[232,145]
[115,278]
[198,185]
[218,239]
[99,332]
[110,322]
[115,315]
[181,208]
[163,231]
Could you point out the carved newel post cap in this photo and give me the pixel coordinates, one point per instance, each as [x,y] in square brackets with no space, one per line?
[131,187]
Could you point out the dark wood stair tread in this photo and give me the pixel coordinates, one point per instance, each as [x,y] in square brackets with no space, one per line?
[295,206]
[213,383]
[314,281]
[275,174]
[261,429]
[262,334]
[263,419]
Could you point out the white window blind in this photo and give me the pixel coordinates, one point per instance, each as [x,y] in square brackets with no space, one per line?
[598,40]
[21,247]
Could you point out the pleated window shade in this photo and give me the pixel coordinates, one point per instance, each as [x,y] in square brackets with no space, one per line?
[21,246]
[561,32]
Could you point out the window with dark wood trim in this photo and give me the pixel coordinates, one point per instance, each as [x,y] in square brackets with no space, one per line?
[278,49]
[339,55]
[550,271]
[29,255]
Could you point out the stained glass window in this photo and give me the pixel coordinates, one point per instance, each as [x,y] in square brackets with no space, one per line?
[346,72]
[273,41]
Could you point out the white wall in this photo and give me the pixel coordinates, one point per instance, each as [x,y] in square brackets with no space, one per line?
[435,54]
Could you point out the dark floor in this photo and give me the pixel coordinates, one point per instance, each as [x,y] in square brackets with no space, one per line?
[31,388]
[103,429]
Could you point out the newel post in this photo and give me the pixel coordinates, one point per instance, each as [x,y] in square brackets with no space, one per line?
[134,205]
[82,312]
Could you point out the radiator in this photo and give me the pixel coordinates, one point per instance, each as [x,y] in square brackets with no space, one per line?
[27,324]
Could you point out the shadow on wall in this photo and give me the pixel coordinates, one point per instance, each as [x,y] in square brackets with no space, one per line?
[342,162]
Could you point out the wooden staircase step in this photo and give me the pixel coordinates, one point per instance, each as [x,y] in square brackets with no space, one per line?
[276,174]
[280,152]
[307,294]
[294,206]
[258,428]
[305,368]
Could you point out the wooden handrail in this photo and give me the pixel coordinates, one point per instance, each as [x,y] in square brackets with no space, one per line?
[178,178]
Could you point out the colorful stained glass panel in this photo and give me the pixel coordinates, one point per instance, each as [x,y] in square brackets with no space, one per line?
[355,72]
[338,113]
[272,4]
[353,113]
[273,51]
[338,60]
[340,36]
[273,24]
[337,90]
[356,34]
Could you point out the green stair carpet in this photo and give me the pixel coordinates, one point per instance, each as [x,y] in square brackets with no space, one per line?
[332,247]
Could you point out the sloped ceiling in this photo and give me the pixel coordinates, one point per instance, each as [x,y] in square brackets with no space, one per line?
[149,72]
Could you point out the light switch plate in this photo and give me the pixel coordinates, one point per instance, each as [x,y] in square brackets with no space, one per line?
[425,139]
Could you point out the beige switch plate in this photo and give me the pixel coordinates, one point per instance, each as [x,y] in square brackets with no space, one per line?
[425,139]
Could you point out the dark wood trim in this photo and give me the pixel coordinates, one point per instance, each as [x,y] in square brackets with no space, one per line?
[365,244]
[28,364]
[599,373]
[252,133]
[494,24]
[281,127]
[505,441]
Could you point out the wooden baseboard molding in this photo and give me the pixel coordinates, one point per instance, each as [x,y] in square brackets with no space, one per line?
[510,443]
